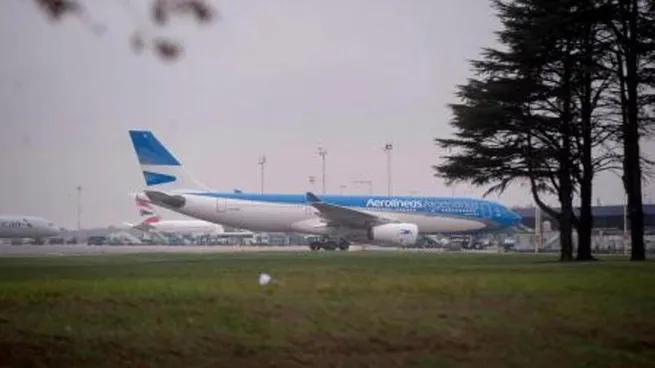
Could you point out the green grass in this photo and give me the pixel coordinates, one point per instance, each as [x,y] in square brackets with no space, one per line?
[327,309]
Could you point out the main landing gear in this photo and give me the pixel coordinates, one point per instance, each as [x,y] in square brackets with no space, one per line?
[329,244]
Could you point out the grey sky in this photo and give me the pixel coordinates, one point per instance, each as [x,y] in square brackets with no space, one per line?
[273,77]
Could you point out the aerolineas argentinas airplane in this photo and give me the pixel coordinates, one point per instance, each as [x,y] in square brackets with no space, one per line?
[339,219]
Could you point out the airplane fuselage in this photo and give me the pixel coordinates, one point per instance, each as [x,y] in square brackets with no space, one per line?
[292,213]
[187,227]
[15,226]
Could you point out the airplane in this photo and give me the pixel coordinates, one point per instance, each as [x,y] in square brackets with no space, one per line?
[337,219]
[153,222]
[19,226]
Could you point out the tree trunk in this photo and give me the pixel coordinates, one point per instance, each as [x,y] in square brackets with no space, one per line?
[566,220]
[632,156]
[586,221]
[586,185]
[565,172]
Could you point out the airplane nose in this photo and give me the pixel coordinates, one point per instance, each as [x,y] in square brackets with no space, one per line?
[516,218]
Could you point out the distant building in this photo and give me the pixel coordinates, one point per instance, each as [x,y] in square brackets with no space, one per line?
[604,217]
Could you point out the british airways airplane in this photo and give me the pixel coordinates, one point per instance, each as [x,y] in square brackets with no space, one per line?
[153,222]
[337,219]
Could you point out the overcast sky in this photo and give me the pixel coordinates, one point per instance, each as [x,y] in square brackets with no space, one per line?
[272,77]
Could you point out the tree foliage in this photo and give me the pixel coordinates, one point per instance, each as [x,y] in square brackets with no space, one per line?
[162,12]
[543,110]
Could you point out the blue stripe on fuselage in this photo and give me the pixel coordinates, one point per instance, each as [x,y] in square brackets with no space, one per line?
[475,209]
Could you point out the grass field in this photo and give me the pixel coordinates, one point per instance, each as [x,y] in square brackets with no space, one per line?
[327,309]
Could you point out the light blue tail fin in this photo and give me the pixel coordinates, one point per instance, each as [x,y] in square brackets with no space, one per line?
[159,167]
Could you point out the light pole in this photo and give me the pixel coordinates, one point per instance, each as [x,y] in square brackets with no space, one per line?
[322,152]
[367,182]
[538,229]
[262,163]
[387,148]
[79,207]
[625,215]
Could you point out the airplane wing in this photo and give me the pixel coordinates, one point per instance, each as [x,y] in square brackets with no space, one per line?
[344,216]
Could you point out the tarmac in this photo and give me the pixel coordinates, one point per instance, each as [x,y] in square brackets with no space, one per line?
[25,250]
[83,249]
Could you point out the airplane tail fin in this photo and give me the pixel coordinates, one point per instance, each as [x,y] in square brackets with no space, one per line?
[160,167]
[146,211]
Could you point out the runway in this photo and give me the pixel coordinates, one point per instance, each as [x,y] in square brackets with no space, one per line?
[7,250]
[83,249]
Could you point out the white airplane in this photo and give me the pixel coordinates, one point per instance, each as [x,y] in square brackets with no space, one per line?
[338,219]
[18,226]
[153,222]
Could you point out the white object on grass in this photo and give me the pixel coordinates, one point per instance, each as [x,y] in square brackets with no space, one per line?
[264,279]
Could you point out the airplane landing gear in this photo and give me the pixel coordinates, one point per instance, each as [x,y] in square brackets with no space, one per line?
[328,244]
[344,244]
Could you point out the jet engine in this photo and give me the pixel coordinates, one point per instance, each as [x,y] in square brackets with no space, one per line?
[397,234]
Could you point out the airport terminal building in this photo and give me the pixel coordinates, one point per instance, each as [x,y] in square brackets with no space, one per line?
[610,229]
[605,217]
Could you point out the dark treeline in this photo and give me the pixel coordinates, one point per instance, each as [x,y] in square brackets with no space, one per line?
[568,95]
